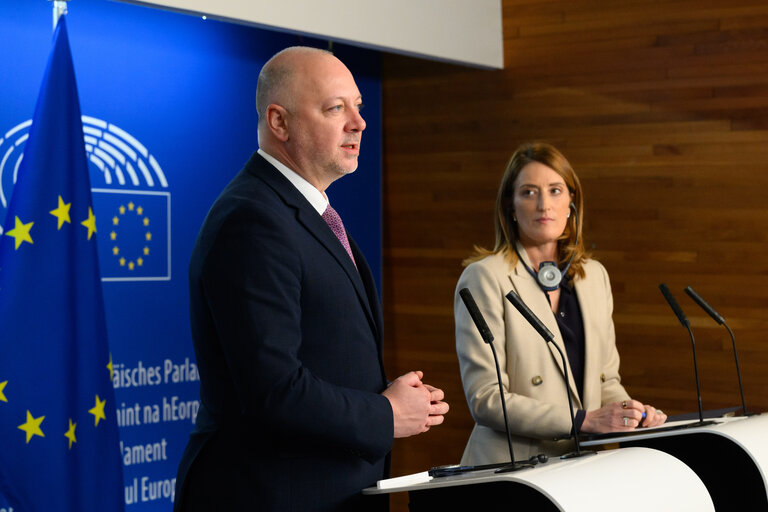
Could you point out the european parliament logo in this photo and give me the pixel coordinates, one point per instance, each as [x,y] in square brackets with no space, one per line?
[133,224]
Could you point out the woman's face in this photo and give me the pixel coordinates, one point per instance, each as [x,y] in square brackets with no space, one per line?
[541,205]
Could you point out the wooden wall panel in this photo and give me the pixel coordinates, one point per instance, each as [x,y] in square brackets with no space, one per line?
[662,108]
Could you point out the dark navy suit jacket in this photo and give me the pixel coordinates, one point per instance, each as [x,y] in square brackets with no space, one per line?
[287,335]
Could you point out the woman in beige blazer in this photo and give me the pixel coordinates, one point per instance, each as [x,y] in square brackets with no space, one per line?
[538,216]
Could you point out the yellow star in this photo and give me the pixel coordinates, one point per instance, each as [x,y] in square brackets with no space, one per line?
[115,250]
[130,265]
[90,223]
[148,236]
[62,212]
[21,232]
[139,210]
[139,261]
[98,411]
[70,434]
[115,220]
[146,221]
[32,426]
[122,210]
[130,206]
[110,367]
[2,387]
[146,251]
[122,262]
[113,236]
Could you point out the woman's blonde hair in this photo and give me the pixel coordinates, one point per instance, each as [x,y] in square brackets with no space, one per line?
[506,227]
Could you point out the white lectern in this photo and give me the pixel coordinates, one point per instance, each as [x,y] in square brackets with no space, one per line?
[611,480]
[730,456]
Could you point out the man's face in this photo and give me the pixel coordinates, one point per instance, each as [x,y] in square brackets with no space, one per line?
[324,122]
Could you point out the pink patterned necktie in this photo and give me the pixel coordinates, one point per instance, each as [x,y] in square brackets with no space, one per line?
[334,222]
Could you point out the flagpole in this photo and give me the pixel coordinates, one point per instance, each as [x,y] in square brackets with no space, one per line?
[59,8]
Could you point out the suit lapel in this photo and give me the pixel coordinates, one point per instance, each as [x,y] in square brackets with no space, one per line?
[371,292]
[586,302]
[314,224]
[533,296]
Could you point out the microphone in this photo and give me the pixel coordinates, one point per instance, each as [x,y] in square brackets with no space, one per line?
[674,305]
[477,317]
[721,321]
[685,323]
[485,333]
[703,305]
[549,338]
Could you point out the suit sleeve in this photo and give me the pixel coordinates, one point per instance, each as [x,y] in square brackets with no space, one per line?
[252,282]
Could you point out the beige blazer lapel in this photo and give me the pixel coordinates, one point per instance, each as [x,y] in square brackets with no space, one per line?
[585,292]
[534,297]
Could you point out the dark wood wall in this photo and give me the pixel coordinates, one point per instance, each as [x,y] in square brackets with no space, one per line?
[662,108]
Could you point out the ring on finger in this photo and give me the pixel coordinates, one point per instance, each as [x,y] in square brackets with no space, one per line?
[659,412]
[625,420]
[624,404]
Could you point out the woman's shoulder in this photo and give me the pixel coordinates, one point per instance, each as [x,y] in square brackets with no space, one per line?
[497,263]
[492,268]
[595,272]
[591,265]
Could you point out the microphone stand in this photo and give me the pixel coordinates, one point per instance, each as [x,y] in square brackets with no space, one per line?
[738,371]
[513,466]
[487,335]
[696,371]
[550,338]
[685,323]
[721,321]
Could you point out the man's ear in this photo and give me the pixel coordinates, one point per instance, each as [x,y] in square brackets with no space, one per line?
[277,121]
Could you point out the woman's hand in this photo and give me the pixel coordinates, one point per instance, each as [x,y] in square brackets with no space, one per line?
[653,417]
[619,417]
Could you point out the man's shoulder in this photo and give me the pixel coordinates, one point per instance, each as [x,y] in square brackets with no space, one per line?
[257,183]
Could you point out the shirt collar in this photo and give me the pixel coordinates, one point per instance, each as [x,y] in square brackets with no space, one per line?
[317,199]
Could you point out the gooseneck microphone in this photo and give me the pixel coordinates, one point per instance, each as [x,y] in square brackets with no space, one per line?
[548,337]
[685,323]
[485,333]
[477,317]
[721,321]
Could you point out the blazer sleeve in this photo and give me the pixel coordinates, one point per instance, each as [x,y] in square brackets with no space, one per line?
[611,388]
[545,417]
[251,280]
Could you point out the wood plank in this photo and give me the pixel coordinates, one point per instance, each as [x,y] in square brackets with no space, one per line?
[662,108]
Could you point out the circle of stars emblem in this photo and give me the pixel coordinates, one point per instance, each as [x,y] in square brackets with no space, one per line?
[131,213]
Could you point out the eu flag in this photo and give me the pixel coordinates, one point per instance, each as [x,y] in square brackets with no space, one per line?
[59,445]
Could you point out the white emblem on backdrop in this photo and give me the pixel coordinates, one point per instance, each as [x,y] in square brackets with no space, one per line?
[131,247]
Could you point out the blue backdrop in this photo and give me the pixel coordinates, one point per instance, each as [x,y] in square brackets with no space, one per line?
[169,119]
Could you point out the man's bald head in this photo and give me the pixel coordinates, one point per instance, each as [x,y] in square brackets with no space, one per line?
[277,76]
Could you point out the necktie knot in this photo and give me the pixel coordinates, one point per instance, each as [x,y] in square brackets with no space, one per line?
[337,226]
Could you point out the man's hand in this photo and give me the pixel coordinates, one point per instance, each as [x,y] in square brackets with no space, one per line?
[415,406]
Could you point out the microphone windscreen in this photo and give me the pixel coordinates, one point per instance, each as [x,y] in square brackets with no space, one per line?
[674,305]
[477,317]
[703,305]
[529,316]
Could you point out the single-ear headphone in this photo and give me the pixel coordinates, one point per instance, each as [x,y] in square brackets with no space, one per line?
[549,275]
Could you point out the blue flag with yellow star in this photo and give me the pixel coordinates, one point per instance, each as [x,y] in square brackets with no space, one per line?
[59,443]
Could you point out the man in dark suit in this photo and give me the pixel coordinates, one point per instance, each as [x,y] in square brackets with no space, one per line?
[296,412]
